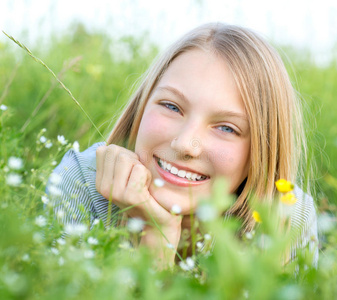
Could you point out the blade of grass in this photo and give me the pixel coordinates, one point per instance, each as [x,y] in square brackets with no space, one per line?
[58,80]
[66,67]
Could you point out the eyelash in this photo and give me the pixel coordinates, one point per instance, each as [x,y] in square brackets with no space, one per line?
[170,106]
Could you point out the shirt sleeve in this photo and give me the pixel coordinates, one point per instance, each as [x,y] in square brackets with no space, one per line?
[304,224]
[72,191]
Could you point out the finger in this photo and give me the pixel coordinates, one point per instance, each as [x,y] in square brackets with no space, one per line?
[137,192]
[106,183]
[123,167]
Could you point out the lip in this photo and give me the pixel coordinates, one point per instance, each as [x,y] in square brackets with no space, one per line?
[173,179]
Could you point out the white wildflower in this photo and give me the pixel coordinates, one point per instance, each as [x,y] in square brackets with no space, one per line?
[55,251]
[15,163]
[55,179]
[43,130]
[199,245]
[188,265]
[25,257]
[76,229]
[125,245]
[53,190]
[61,140]
[13,179]
[206,212]
[43,139]
[3,107]
[54,163]
[207,237]
[249,235]
[40,221]
[61,261]
[37,237]
[135,225]
[158,182]
[96,221]
[176,209]
[61,241]
[60,214]
[44,200]
[48,145]
[190,262]
[76,146]
[89,254]
[92,241]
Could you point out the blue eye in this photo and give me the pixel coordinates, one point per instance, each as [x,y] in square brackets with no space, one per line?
[172,107]
[226,129]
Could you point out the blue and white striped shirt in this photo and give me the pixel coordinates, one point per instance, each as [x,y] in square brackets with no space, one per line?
[76,199]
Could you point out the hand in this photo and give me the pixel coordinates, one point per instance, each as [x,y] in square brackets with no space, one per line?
[124,180]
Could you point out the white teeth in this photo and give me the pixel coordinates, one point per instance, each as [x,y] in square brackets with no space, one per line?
[181,173]
[194,176]
[174,170]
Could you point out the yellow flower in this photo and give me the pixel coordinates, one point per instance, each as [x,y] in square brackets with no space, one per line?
[284,186]
[289,199]
[257,217]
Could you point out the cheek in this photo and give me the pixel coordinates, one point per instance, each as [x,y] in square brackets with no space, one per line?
[154,129]
[152,126]
[231,161]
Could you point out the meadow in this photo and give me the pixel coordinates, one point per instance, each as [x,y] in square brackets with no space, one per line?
[39,122]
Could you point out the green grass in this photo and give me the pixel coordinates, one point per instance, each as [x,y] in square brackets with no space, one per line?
[35,264]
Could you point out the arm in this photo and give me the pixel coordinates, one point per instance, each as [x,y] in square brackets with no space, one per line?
[68,191]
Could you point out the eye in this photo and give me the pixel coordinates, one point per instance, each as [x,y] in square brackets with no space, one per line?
[226,129]
[172,107]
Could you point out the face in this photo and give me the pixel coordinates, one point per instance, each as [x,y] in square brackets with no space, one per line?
[194,128]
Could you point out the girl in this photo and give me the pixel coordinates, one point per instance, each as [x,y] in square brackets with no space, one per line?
[219,102]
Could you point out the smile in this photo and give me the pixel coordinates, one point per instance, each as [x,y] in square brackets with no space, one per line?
[178,176]
[181,173]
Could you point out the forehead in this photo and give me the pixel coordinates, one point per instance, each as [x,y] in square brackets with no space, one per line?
[204,78]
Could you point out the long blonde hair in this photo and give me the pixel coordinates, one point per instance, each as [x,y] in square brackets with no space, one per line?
[277,138]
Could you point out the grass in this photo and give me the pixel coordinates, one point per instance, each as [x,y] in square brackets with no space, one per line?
[36,263]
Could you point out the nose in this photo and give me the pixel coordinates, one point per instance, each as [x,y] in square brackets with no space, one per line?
[188,143]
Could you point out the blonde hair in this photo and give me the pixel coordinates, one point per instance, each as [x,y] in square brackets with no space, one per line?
[277,137]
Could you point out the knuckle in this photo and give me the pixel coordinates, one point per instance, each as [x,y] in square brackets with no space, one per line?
[123,157]
[139,168]
[100,150]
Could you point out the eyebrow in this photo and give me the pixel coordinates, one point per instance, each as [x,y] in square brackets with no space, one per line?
[219,113]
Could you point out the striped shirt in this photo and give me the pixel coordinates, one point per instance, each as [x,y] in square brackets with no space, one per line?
[72,188]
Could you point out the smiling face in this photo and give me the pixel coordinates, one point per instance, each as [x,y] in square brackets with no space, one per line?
[194,128]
